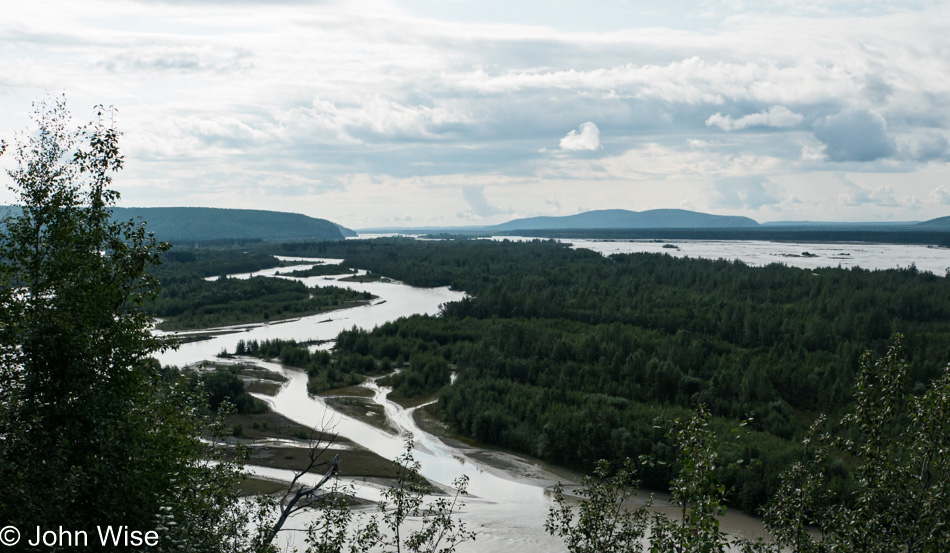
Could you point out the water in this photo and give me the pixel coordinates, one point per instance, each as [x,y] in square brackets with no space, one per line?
[507,506]
[394,300]
[760,252]
[506,509]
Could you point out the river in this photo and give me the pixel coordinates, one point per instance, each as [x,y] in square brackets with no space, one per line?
[509,497]
[806,255]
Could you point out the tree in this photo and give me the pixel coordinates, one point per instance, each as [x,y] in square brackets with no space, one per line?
[605,524]
[439,532]
[338,528]
[93,431]
[696,489]
[800,504]
[898,443]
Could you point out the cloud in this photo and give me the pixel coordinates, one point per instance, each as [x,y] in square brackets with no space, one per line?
[475,198]
[744,192]
[940,195]
[235,95]
[587,139]
[776,116]
[182,59]
[857,195]
[928,146]
[702,144]
[877,89]
[854,135]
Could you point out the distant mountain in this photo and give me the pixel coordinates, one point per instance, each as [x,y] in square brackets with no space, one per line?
[625,219]
[200,224]
[940,223]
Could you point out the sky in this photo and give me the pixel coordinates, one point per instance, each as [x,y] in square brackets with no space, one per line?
[375,113]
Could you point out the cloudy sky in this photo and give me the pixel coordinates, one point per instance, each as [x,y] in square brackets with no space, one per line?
[447,112]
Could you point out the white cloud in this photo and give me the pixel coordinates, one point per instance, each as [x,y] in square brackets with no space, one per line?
[927,146]
[856,195]
[475,197]
[218,97]
[854,135]
[940,195]
[776,116]
[702,144]
[587,139]
[750,192]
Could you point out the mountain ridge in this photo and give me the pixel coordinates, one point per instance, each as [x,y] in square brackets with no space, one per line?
[201,224]
[208,224]
[626,219]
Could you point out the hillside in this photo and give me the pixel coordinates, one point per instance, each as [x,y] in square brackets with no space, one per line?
[625,219]
[940,223]
[199,224]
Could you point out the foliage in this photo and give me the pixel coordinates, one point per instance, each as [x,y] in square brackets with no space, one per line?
[898,443]
[338,528]
[91,430]
[440,532]
[605,524]
[896,440]
[322,376]
[320,270]
[223,385]
[181,262]
[570,356]
[426,374]
[188,301]
[801,500]
[696,489]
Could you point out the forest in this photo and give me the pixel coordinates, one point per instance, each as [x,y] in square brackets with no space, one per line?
[188,300]
[573,357]
[646,361]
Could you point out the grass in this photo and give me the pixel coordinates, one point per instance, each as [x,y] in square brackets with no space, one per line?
[259,373]
[410,402]
[262,387]
[362,409]
[259,486]
[270,425]
[353,462]
[349,391]
[429,419]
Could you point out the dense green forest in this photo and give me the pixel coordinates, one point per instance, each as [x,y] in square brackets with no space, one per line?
[187,300]
[322,374]
[560,353]
[320,270]
[572,357]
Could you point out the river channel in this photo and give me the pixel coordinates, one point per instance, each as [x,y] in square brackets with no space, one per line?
[509,497]
[758,253]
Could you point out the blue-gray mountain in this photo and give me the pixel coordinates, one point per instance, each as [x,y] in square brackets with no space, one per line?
[200,224]
[206,224]
[625,219]
[940,223]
